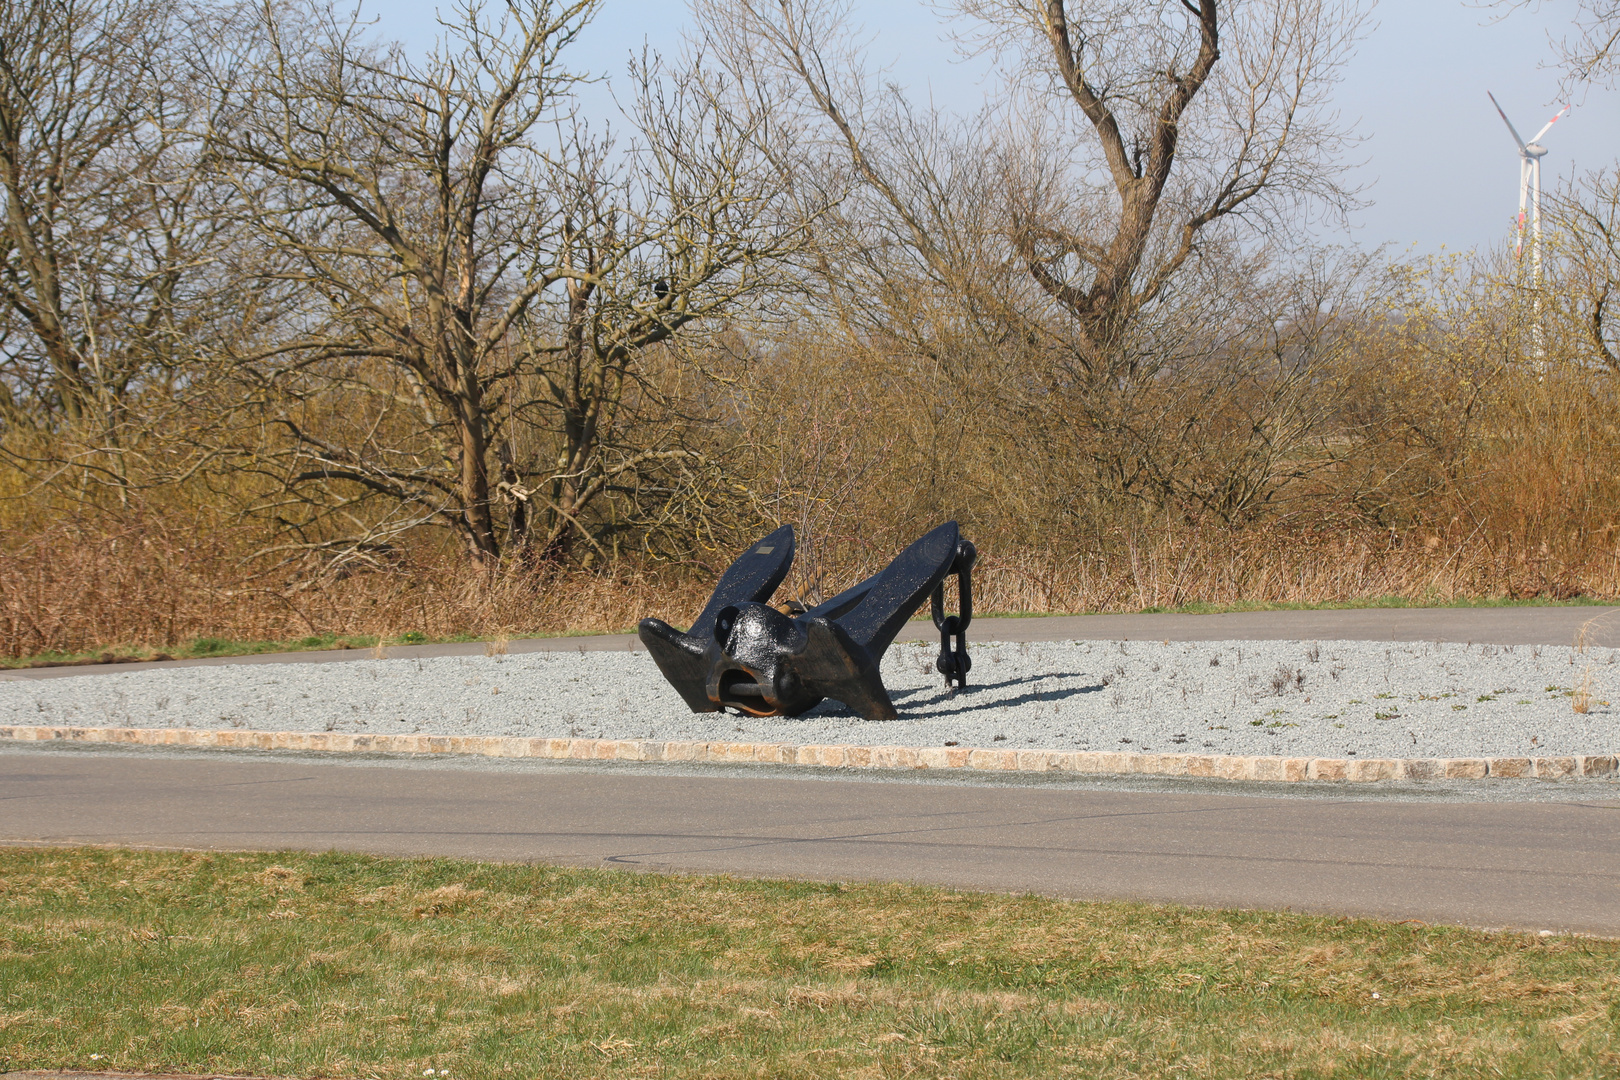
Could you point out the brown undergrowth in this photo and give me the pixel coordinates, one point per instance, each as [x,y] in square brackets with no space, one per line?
[72,588]
[68,590]
[1439,464]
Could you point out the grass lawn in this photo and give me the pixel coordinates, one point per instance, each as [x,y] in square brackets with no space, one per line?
[213,646]
[342,965]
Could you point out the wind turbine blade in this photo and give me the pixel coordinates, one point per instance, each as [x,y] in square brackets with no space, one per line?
[1550,123]
[1506,121]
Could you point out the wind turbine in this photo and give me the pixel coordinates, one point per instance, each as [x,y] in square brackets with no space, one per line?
[1530,155]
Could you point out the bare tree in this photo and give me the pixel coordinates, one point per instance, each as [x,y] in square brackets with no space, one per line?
[1586,265]
[689,229]
[1193,117]
[1205,115]
[1082,268]
[476,266]
[1589,52]
[104,219]
[1592,52]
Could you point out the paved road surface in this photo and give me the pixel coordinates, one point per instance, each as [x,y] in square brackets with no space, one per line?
[1535,865]
[1503,626]
[1539,865]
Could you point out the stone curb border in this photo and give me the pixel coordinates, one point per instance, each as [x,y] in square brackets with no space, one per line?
[1080,762]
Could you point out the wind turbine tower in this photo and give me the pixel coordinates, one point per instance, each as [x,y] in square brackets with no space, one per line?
[1530,155]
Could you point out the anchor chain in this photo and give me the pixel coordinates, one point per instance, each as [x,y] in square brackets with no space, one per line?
[955,663]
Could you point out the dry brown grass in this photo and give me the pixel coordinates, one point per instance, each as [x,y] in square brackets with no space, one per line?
[1178,566]
[70,590]
[1523,504]
[1581,698]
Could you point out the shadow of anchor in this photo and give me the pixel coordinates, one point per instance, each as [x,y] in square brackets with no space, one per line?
[984,695]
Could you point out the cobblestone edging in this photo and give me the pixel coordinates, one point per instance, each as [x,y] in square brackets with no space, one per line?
[1083,762]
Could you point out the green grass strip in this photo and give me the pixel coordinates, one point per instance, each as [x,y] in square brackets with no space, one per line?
[215,646]
[342,965]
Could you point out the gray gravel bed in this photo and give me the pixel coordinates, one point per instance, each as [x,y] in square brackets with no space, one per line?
[1306,699]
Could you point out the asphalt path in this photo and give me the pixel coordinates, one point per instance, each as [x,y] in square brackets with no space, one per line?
[1546,862]
[1532,865]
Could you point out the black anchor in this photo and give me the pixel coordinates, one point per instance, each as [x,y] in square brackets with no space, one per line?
[744,654]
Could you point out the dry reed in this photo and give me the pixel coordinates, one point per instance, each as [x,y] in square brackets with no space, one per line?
[71,590]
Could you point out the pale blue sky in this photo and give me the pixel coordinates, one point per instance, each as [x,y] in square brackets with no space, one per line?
[1443,170]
